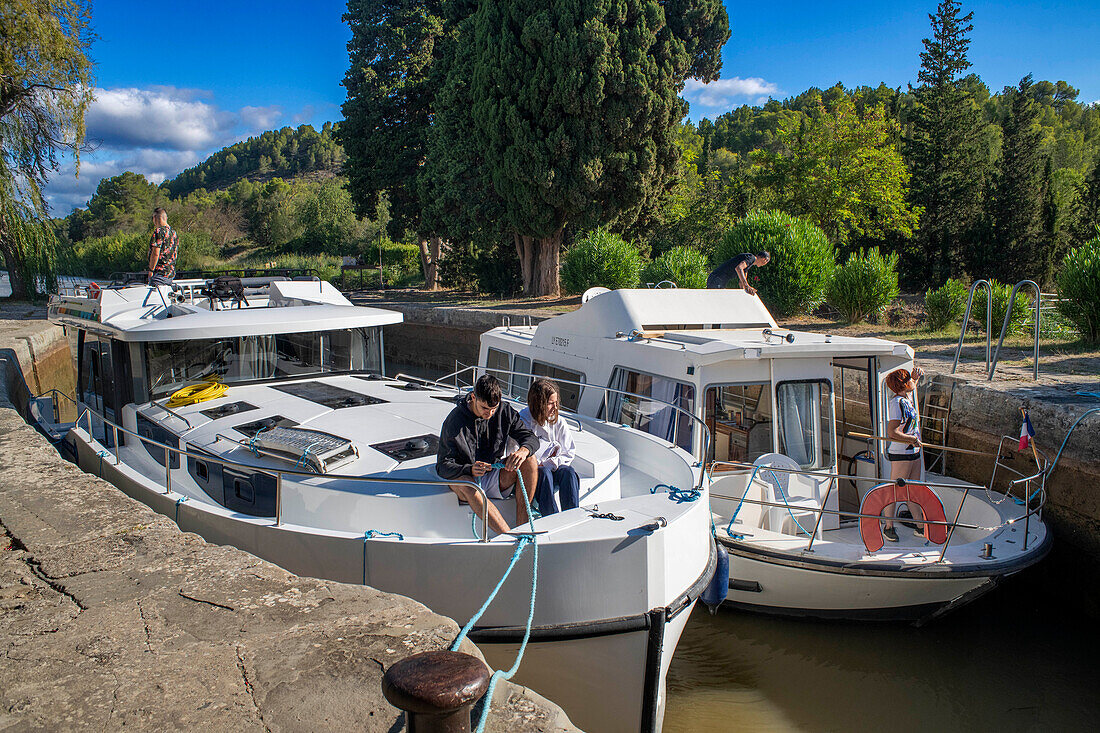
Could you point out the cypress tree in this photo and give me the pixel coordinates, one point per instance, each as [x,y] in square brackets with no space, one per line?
[1087,219]
[387,113]
[944,150]
[1018,197]
[564,113]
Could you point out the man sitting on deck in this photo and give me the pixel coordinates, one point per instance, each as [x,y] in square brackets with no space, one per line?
[473,438]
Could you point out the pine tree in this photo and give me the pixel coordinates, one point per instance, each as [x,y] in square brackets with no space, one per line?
[945,149]
[1018,197]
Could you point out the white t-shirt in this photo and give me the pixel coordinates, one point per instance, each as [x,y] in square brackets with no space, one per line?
[556,448]
[901,409]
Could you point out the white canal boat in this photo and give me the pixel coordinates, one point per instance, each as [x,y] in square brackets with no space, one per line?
[315,461]
[790,481]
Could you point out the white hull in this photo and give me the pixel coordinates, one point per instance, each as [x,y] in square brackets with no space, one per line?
[607,673]
[835,594]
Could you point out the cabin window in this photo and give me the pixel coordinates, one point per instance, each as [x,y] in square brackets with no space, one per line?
[805,429]
[498,363]
[521,381]
[173,364]
[97,374]
[566,381]
[652,415]
[740,420]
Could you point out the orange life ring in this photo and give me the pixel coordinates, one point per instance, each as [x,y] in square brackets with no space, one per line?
[882,496]
[94,290]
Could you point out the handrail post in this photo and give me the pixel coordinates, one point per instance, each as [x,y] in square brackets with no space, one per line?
[115,446]
[278,498]
[820,516]
[167,471]
[951,529]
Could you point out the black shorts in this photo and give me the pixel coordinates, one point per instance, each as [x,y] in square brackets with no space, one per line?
[903,456]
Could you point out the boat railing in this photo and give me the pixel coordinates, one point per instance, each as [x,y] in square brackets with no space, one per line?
[278,474]
[475,368]
[1027,482]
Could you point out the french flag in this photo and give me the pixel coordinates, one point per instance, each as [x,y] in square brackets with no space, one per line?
[1026,432]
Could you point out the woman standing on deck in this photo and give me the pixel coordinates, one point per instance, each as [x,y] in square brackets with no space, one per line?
[904,449]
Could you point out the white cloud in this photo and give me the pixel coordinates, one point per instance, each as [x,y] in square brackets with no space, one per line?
[157,131]
[722,93]
[160,117]
[261,119]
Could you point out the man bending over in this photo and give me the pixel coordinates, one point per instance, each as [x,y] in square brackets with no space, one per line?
[739,266]
[474,437]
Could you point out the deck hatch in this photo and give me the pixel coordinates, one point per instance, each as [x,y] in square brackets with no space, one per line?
[332,397]
[232,408]
[251,428]
[408,449]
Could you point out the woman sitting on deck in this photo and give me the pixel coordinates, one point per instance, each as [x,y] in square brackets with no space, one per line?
[556,449]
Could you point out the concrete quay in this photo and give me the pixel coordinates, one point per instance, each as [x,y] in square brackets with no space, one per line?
[111,617]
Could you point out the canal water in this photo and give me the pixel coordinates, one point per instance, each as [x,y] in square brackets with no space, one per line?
[1023,658]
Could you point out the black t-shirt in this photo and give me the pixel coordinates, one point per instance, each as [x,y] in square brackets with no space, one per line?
[728,269]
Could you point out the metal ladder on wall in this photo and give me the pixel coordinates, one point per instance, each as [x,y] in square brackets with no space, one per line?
[991,362]
[935,417]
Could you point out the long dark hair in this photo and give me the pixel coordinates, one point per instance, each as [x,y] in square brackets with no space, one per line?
[538,396]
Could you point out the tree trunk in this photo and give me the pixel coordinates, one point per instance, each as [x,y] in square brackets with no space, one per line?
[538,261]
[13,263]
[431,250]
[525,251]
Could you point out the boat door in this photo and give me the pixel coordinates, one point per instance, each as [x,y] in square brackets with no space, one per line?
[855,379]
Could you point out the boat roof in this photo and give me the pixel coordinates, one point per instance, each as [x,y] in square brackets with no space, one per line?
[151,314]
[710,325]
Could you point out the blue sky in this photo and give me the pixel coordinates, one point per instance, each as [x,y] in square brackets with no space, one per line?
[178,81]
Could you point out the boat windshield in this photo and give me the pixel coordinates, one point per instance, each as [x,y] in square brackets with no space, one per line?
[173,364]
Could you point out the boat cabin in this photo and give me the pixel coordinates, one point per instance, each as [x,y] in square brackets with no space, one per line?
[138,344]
[716,353]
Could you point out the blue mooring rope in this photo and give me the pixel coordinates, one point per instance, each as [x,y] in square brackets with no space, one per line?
[372,533]
[521,543]
[729,527]
[680,496]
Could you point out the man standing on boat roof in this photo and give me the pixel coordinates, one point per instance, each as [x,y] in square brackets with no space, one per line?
[738,265]
[474,437]
[163,247]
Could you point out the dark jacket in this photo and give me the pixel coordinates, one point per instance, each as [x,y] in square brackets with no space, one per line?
[466,438]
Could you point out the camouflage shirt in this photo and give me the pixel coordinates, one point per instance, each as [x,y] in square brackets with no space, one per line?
[165,238]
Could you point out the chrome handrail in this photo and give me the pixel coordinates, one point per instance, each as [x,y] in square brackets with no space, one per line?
[476,367]
[820,511]
[1008,318]
[276,472]
[966,321]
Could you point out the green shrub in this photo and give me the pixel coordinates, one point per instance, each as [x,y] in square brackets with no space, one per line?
[802,263]
[684,266]
[945,304]
[399,256]
[600,258]
[1079,288]
[484,265]
[327,266]
[865,284]
[1022,308]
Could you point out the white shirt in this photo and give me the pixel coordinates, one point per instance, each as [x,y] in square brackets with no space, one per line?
[556,447]
[910,424]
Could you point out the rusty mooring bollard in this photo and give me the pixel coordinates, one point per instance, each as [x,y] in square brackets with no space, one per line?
[436,690]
